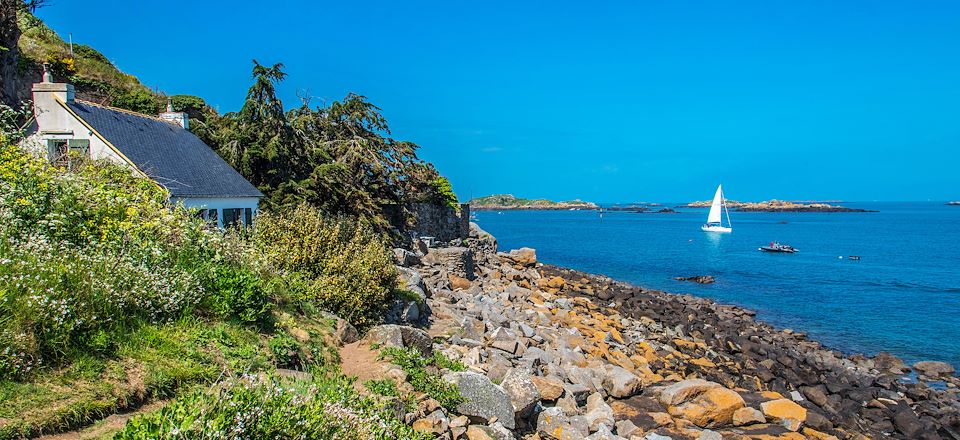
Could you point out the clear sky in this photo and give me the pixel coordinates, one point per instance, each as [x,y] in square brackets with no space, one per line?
[604,101]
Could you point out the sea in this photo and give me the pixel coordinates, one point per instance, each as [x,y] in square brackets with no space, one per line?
[902,296]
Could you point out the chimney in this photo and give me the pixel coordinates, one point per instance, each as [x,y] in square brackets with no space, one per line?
[179,118]
[45,95]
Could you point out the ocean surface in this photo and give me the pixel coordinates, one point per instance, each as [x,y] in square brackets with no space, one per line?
[903,296]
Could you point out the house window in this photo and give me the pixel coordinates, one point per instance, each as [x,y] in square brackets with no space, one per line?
[248,216]
[67,152]
[209,215]
[231,216]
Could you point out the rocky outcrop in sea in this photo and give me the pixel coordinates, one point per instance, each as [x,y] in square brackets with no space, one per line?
[554,353]
[778,206]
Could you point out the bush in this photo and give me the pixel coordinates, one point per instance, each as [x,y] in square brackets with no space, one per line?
[285,351]
[193,106]
[236,293]
[136,100]
[254,407]
[349,270]
[443,192]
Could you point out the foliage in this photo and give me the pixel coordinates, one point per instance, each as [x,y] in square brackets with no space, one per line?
[284,350]
[14,121]
[255,407]
[136,100]
[238,293]
[383,387]
[194,106]
[341,264]
[444,192]
[415,365]
[442,361]
[85,255]
[82,50]
[338,158]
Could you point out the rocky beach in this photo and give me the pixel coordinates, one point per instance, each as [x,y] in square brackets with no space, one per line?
[553,353]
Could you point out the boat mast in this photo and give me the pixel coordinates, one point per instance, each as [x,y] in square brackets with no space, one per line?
[723,201]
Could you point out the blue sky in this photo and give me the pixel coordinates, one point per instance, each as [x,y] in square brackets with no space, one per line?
[603,101]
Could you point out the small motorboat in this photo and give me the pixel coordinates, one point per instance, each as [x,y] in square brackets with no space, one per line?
[854,257]
[777,247]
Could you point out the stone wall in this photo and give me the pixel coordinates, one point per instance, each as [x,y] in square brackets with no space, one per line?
[441,221]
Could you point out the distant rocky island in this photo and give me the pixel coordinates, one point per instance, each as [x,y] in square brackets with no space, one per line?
[778,206]
[640,208]
[502,202]
[956,203]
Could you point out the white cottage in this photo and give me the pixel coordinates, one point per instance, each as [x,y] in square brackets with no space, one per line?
[160,148]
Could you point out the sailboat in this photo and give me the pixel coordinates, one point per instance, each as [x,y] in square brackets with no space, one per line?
[714,221]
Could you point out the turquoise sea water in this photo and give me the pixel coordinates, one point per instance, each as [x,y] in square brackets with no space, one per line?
[903,296]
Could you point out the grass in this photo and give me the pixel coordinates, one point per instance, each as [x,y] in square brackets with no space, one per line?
[154,361]
[430,383]
[90,70]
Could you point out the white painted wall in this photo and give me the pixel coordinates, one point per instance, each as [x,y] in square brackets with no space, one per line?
[53,121]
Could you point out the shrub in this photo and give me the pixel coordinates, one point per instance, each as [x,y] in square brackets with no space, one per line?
[443,192]
[137,100]
[194,106]
[350,271]
[236,293]
[254,407]
[285,351]
[383,387]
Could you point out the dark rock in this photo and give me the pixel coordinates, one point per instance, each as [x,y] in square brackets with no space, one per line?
[815,394]
[405,258]
[523,393]
[457,261]
[700,279]
[906,421]
[818,421]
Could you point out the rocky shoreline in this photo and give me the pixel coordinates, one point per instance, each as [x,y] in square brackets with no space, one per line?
[554,353]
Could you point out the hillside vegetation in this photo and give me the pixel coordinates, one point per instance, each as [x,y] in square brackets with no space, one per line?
[109,298]
[94,76]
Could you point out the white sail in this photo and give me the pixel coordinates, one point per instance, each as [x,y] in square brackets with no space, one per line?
[716,207]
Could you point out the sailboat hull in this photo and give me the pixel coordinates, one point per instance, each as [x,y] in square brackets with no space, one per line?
[715,228]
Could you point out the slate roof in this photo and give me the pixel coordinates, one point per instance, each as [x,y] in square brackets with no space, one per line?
[171,155]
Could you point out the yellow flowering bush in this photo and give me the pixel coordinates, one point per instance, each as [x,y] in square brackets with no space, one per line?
[343,266]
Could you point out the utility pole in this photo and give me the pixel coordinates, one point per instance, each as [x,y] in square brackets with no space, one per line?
[71,44]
